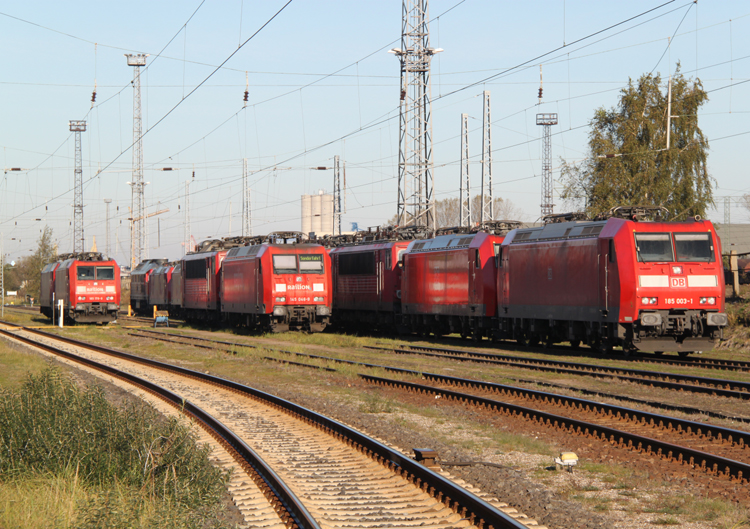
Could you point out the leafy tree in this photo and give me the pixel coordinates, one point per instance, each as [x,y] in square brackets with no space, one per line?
[628,161]
[29,268]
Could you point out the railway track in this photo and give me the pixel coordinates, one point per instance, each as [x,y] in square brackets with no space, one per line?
[702,448]
[636,358]
[341,476]
[231,347]
[689,383]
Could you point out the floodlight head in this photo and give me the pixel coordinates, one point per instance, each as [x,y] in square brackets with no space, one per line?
[77,125]
[396,51]
[136,59]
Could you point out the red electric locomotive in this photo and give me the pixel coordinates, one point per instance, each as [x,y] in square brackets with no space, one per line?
[47,289]
[449,281]
[278,282]
[88,285]
[139,284]
[654,286]
[176,290]
[367,272]
[159,287]
[200,280]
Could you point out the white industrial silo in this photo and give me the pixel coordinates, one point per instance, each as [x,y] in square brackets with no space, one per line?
[326,216]
[317,208]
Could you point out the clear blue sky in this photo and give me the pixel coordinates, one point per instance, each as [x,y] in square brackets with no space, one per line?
[299,116]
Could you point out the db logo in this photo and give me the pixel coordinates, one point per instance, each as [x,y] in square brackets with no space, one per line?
[299,279]
[678,282]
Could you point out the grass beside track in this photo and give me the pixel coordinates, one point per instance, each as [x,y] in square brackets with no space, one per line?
[69,458]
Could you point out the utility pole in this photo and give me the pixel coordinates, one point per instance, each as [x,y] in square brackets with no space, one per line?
[465,183]
[78,126]
[488,206]
[107,201]
[415,201]
[547,120]
[247,211]
[137,230]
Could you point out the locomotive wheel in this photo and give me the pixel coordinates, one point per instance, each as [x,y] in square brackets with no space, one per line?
[658,353]
[575,344]
[523,339]
[534,340]
[684,354]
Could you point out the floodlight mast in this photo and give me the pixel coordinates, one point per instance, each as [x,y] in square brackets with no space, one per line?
[137,226]
[415,188]
[78,126]
[547,120]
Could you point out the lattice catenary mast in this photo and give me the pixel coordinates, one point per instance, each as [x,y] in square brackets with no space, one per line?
[547,120]
[487,207]
[464,198]
[78,126]
[415,201]
[138,209]
[337,195]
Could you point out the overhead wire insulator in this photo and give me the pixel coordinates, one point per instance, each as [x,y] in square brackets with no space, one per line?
[247,95]
[540,93]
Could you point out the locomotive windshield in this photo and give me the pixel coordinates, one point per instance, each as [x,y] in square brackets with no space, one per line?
[284,264]
[311,263]
[694,247]
[105,272]
[653,247]
[86,273]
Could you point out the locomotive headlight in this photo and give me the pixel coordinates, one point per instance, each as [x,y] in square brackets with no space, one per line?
[81,298]
[649,301]
[318,298]
[708,301]
[110,298]
[676,269]
[281,300]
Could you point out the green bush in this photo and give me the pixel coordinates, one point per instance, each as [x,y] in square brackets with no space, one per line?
[51,427]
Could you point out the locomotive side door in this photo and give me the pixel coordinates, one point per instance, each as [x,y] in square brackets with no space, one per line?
[603,247]
[504,271]
[378,276]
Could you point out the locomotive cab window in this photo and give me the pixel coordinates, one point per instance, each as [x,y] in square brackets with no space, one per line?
[653,247]
[694,247]
[86,273]
[311,263]
[284,264]
[105,272]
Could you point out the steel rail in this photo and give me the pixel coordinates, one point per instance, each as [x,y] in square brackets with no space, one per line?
[653,378]
[713,464]
[461,501]
[289,508]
